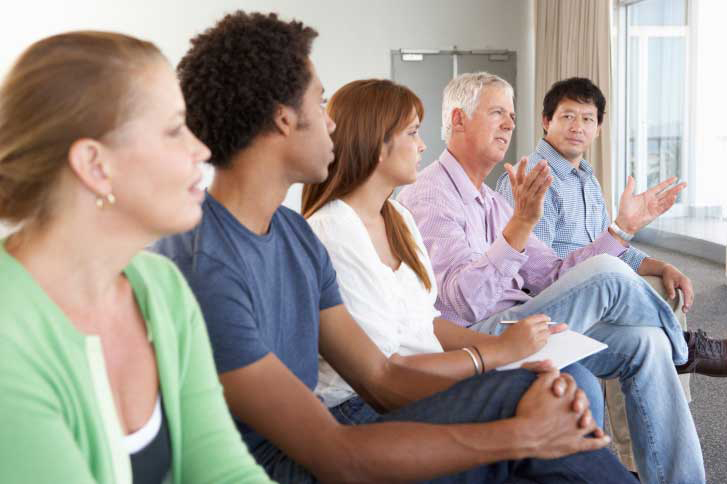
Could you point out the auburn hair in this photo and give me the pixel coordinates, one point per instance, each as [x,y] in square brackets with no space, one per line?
[368,113]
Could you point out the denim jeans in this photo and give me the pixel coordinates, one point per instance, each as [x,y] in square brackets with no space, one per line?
[482,398]
[604,299]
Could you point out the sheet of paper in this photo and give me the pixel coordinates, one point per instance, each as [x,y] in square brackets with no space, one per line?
[550,323]
[562,349]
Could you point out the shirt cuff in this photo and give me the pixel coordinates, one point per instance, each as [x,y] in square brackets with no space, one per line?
[608,244]
[506,259]
[633,257]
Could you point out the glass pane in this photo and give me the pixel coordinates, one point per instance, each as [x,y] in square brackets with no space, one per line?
[655,92]
[658,12]
[632,107]
[708,166]
[665,118]
[658,145]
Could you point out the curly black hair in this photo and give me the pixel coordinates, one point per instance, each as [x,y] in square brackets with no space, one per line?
[577,89]
[237,73]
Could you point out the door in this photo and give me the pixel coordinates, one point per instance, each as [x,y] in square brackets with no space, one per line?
[428,72]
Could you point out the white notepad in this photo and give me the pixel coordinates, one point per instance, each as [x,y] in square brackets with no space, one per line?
[562,349]
[550,323]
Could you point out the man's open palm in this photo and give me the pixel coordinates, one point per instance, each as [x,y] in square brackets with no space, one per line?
[637,211]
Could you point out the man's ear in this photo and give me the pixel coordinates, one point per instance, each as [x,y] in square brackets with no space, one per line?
[598,131]
[458,120]
[85,157]
[285,119]
[546,123]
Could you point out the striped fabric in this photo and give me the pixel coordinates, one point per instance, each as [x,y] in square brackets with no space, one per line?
[478,273]
[574,212]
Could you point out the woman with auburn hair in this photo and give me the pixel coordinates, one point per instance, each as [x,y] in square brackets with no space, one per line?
[383,270]
[106,373]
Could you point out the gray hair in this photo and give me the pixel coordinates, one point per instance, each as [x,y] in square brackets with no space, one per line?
[463,92]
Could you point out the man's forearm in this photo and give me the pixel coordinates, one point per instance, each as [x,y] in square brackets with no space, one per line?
[651,267]
[394,452]
[403,380]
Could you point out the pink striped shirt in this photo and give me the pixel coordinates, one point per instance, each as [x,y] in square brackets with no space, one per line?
[478,273]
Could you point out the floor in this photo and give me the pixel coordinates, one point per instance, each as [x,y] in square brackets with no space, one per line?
[709,405]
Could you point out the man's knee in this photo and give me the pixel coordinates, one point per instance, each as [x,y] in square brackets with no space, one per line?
[648,342]
[605,263]
[482,398]
[584,378]
[506,387]
[511,382]
[588,382]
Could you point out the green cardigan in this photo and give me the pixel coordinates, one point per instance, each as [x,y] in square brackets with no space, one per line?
[58,422]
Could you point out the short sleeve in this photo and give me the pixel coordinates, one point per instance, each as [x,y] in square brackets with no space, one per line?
[330,293]
[212,451]
[224,296]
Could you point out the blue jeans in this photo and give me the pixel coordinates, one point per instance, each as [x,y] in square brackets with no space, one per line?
[604,299]
[482,398]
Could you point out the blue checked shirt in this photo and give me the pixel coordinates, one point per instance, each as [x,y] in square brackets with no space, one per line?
[574,212]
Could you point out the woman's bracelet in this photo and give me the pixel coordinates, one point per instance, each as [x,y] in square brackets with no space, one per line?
[482,361]
[474,360]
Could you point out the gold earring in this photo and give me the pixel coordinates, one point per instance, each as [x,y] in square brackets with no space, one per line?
[110,199]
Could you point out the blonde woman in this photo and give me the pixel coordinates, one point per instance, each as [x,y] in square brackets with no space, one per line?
[105,367]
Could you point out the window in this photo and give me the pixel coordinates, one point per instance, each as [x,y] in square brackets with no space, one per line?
[672,103]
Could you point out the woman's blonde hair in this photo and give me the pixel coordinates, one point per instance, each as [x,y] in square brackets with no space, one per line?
[62,88]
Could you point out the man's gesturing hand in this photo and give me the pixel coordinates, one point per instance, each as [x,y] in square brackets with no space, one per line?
[528,190]
[637,211]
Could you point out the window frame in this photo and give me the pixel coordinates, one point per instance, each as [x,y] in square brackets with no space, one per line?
[621,123]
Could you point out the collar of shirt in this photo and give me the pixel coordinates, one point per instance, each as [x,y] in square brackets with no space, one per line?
[462,182]
[560,166]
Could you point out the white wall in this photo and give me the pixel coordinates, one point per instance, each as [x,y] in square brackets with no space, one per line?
[355,39]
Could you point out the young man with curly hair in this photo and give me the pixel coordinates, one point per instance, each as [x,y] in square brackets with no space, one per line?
[271,303]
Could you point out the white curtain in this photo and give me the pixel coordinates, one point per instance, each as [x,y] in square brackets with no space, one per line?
[572,38]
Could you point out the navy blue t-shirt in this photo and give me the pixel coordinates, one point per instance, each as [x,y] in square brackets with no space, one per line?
[258,293]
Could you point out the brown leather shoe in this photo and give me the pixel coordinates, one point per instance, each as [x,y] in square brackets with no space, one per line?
[707,356]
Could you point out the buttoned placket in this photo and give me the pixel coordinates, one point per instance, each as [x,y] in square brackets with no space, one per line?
[589,208]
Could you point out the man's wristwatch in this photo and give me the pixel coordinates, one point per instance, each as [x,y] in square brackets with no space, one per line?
[621,233]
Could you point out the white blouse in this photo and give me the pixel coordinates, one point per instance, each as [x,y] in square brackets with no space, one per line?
[392,306]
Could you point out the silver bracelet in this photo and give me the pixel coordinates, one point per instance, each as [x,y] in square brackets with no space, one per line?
[474,360]
[482,360]
[620,232]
